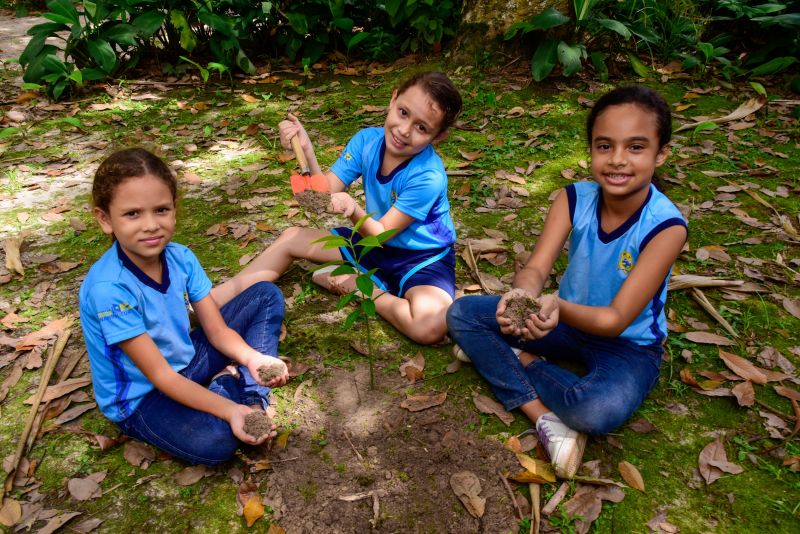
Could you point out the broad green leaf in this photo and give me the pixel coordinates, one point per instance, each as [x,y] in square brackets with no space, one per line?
[33,49]
[383,237]
[544,59]
[368,307]
[369,241]
[244,62]
[216,22]
[64,9]
[77,77]
[102,53]
[59,87]
[345,300]
[351,319]
[582,8]
[549,18]
[774,65]
[331,241]
[266,7]
[121,33]
[638,66]
[361,221]
[517,27]
[92,74]
[149,22]
[344,268]
[298,22]
[357,38]
[90,8]
[598,60]
[364,284]
[343,23]
[31,87]
[615,26]
[570,57]
[60,19]
[47,28]
[188,38]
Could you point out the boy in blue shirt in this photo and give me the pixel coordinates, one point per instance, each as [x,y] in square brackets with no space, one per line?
[405,184]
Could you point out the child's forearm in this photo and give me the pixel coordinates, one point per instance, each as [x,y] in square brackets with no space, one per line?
[597,320]
[231,344]
[191,394]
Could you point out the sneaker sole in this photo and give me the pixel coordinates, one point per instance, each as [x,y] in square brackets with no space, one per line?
[570,466]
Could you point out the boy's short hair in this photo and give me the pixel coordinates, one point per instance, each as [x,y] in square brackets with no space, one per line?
[441,90]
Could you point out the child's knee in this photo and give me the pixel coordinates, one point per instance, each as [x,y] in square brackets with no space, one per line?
[597,418]
[215,446]
[428,334]
[268,292]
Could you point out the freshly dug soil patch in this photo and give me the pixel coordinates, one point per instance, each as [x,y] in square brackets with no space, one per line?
[352,441]
[518,309]
[314,201]
[257,423]
[274,369]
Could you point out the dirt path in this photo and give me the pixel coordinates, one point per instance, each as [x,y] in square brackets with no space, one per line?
[13,34]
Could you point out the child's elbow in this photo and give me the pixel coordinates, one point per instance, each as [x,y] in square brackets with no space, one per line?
[611,324]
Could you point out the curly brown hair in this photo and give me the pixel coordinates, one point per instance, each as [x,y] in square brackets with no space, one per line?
[125,164]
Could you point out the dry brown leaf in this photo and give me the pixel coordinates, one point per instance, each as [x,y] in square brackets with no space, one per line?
[84,489]
[253,510]
[61,389]
[10,513]
[41,336]
[744,393]
[416,403]
[713,461]
[743,367]
[11,380]
[13,258]
[750,106]
[74,412]
[190,475]
[275,529]
[57,522]
[246,490]
[642,426]
[87,525]
[138,454]
[538,468]
[454,366]
[513,444]
[787,392]
[792,306]
[631,476]
[470,156]
[251,99]
[486,405]
[708,338]
[587,502]
[467,488]
[412,370]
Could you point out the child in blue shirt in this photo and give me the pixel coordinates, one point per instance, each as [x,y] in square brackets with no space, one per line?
[405,184]
[624,236]
[155,379]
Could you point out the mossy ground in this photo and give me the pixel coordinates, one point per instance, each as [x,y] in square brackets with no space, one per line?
[204,131]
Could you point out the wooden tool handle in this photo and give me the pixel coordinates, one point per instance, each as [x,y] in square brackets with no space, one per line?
[301,156]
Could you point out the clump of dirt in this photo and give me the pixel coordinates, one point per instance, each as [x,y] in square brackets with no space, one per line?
[518,309]
[314,201]
[257,423]
[275,369]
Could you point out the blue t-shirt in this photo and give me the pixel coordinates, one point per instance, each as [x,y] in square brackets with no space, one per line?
[119,302]
[599,262]
[417,187]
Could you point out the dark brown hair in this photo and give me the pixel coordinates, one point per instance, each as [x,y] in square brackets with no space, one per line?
[441,90]
[644,97]
[125,164]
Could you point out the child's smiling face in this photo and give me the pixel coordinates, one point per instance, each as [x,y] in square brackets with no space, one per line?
[413,122]
[141,216]
[625,151]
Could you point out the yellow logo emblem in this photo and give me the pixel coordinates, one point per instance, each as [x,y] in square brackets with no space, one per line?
[626,262]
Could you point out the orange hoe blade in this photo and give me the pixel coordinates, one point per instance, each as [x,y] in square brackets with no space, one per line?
[305,180]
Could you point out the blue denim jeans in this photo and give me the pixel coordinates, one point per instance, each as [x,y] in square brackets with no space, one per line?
[619,373]
[199,437]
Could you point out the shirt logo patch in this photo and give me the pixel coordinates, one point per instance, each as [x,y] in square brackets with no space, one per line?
[347,156]
[625,262]
[116,309]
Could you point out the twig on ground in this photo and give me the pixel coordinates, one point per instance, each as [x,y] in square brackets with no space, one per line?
[775,411]
[683,281]
[473,264]
[536,516]
[358,454]
[556,499]
[284,460]
[49,367]
[511,494]
[701,299]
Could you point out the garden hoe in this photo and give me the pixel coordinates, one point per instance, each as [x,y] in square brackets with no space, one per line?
[305,180]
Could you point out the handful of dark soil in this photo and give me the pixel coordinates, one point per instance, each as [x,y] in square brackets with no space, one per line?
[257,423]
[314,201]
[275,369]
[518,309]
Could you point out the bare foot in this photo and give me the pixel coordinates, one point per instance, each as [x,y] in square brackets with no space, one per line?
[338,285]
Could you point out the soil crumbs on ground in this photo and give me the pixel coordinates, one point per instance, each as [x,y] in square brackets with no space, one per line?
[350,441]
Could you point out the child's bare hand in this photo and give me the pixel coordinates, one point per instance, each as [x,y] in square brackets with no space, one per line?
[504,322]
[342,203]
[292,127]
[236,421]
[541,324]
[280,373]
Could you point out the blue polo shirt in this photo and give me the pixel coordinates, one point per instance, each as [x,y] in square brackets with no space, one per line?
[119,302]
[417,187]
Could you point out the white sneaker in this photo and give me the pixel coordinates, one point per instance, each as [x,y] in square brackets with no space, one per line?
[459,353]
[564,445]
